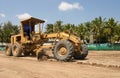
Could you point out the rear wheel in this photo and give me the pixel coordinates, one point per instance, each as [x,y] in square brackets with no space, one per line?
[8,50]
[63,50]
[16,50]
[83,53]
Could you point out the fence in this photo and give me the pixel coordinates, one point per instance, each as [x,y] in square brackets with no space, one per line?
[2,46]
[105,46]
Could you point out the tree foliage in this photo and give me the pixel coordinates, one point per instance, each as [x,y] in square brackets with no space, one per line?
[101,29]
[98,30]
[7,29]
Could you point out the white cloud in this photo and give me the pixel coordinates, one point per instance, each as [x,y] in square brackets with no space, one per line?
[23,16]
[64,6]
[2,15]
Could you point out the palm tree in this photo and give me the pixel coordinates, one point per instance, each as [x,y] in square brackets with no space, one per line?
[117,30]
[89,32]
[8,30]
[98,24]
[110,28]
[81,31]
[49,28]
[99,29]
[70,27]
[57,27]
[1,33]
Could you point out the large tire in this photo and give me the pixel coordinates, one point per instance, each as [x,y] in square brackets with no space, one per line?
[63,50]
[8,50]
[81,55]
[16,50]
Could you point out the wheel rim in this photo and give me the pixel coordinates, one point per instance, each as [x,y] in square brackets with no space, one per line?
[62,51]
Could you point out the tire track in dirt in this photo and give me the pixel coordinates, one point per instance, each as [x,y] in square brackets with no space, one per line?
[98,64]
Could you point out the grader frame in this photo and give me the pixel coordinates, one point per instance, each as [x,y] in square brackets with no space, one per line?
[64,44]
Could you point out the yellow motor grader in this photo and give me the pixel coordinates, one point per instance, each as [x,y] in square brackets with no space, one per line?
[31,40]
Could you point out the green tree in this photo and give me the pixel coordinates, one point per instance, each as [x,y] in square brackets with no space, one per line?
[1,33]
[98,24]
[89,32]
[49,28]
[117,30]
[98,29]
[8,30]
[70,27]
[57,27]
[81,31]
[110,27]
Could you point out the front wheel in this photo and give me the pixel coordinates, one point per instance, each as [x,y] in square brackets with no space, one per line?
[63,50]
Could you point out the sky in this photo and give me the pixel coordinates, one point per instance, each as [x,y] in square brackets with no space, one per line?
[69,11]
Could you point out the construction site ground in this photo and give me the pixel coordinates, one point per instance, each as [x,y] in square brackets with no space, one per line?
[98,64]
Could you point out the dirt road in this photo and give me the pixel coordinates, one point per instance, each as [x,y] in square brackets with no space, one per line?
[28,67]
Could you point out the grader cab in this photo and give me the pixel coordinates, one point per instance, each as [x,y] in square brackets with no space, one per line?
[31,41]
